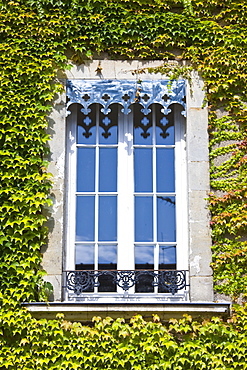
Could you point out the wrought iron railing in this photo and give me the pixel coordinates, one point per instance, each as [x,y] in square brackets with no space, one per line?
[144,281]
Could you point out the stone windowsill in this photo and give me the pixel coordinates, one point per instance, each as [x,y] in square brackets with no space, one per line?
[85,312]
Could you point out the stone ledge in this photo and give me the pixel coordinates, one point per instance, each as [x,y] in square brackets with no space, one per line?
[85,312]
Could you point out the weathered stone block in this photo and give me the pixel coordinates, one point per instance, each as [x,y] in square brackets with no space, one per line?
[201,289]
[197,136]
[200,251]
[198,175]
[198,206]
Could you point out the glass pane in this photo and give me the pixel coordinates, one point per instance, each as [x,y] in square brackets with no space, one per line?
[165,170]
[107,261]
[84,257]
[108,218]
[161,138]
[85,218]
[167,257]
[84,260]
[108,130]
[166,225]
[167,261]
[143,166]
[144,257]
[107,257]
[111,139]
[85,169]
[142,126]
[144,260]
[86,128]
[164,127]
[108,169]
[143,219]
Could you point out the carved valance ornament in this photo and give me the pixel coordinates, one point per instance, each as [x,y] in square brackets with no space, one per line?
[125,93]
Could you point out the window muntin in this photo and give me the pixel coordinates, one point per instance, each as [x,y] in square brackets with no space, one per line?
[125,189]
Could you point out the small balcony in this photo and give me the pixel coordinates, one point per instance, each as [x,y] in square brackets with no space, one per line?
[108,286]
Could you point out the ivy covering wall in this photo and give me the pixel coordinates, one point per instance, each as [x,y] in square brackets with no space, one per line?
[36,36]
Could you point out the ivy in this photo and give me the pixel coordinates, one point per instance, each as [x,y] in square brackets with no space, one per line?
[35,38]
[107,344]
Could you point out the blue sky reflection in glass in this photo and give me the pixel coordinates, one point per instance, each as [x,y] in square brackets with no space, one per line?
[86,169]
[107,256]
[167,256]
[107,169]
[107,218]
[144,256]
[143,218]
[143,164]
[166,222]
[84,257]
[85,211]
[165,170]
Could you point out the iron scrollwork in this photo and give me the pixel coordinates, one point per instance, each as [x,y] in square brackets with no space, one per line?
[167,281]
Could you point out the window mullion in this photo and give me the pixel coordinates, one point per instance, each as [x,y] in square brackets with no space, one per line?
[121,192]
[129,128]
[125,194]
[156,247]
[96,220]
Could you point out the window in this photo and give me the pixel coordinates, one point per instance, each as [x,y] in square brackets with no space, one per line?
[127,188]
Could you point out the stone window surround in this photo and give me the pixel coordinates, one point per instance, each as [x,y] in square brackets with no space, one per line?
[199,256]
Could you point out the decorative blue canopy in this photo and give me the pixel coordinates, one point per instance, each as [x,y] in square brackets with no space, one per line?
[125,93]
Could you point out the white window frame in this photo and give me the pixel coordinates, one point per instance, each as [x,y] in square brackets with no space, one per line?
[125,176]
